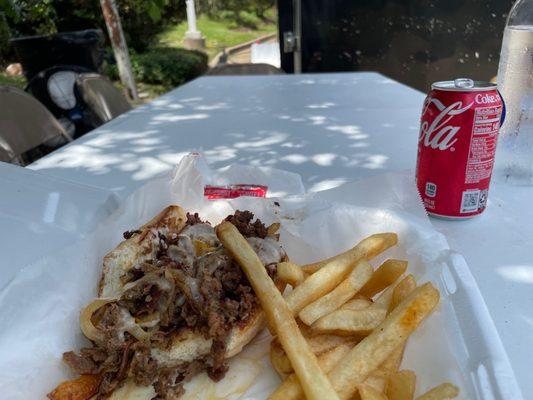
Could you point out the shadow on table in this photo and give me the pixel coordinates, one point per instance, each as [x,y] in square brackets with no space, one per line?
[330,128]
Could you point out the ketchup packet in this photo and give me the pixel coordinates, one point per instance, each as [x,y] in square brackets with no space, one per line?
[234,191]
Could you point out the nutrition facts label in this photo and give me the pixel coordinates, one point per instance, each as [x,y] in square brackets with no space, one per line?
[483,145]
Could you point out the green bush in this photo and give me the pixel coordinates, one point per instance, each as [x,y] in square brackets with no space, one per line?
[231,9]
[239,19]
[165,66]
[248,19]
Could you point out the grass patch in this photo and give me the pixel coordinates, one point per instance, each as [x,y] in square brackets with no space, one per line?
[18,81]
[218,34]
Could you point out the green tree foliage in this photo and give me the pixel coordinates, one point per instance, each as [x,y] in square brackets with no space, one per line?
[242,12]
[141,19]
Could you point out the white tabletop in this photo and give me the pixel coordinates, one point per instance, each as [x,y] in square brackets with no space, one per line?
[329,128]
[40,215]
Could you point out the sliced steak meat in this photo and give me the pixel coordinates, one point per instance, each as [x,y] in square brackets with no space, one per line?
[142,299]
[218,365]
[110,323]
[190,283]
[129,234]
[272,269]
[189,371]
[247,301]
[193,219]
[81,364]
[211,287]
[143,368]
[243,222]
[189,315]
[230,275]
[217,374]
[168,386]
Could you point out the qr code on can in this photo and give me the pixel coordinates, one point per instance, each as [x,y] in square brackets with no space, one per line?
[470,201]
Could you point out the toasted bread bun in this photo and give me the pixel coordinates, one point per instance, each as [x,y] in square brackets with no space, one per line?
[138,248]
[188,345]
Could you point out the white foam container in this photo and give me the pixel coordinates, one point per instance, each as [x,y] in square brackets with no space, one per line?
[39,307]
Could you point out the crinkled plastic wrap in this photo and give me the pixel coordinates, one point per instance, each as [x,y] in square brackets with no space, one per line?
[39,309]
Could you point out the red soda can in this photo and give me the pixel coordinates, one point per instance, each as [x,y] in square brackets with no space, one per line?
[456,147]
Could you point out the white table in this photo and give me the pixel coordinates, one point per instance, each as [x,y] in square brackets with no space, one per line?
[330,128]
[40,215]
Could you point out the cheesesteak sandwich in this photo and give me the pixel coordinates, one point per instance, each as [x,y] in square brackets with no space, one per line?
[171,304]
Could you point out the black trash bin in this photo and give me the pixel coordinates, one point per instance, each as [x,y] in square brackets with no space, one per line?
[81,48]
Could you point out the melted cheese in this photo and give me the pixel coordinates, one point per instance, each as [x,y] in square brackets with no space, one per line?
[268,249]
[202,232]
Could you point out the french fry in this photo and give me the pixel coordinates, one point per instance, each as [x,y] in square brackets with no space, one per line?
[310,269]
[378,380]
[338,296]
[279,360]
[314,267]
[357,303]
[373,350]
[291,388]
[394,295]
[394,361]
[315,384]
[385,298]
[290,273]
[82,388]
[336,270]
[319,345]
[385,275]
[401,385]
[367,392]
[402,290]
[376,348]
[444,391]
[350,322]
[322,343]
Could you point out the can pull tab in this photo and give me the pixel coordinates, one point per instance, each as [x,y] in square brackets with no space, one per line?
[464,83]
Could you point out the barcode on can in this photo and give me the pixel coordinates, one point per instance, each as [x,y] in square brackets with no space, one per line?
[470,201]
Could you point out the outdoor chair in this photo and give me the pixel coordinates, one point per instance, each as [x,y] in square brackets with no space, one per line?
[26,124]
[104,100]
[6,154]
[245,69]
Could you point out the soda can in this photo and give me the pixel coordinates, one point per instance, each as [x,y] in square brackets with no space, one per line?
[456,147]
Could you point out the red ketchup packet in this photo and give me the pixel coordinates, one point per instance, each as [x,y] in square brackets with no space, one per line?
[234,191]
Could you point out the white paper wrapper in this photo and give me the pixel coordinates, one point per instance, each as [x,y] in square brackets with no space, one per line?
[39,309]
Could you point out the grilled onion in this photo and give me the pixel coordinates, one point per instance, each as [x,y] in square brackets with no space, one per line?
[87,326]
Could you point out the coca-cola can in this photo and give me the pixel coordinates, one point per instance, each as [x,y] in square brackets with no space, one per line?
[456,147]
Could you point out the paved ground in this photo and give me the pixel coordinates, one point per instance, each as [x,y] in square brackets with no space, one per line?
[243,56]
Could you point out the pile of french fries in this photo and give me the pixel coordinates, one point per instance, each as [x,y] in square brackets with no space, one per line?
[341,332]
